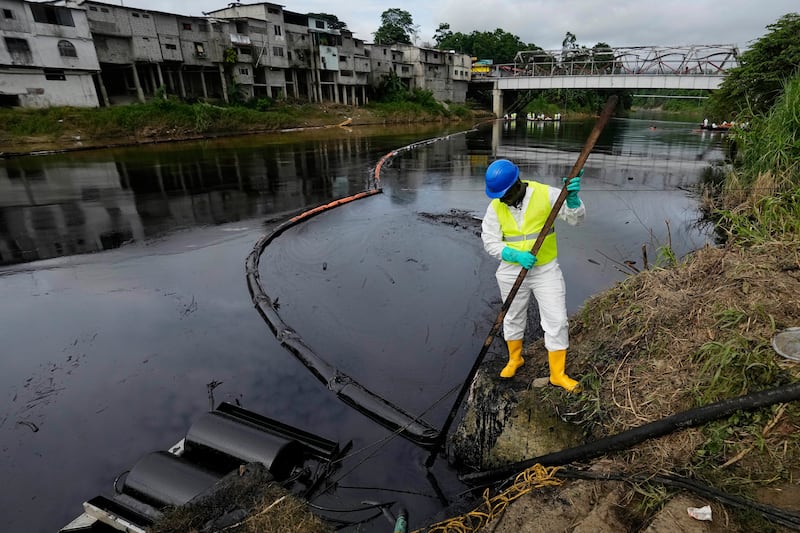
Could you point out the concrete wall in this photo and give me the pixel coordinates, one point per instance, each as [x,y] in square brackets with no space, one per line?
[33,89]
[141,49]
[51,60]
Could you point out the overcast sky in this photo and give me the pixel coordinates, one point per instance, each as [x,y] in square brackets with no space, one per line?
[545,22]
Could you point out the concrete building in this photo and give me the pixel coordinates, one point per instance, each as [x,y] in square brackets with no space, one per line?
[259,30]
[445,73]
[307,58]
[387,61]
[140,51]
[111,54]
[47,56]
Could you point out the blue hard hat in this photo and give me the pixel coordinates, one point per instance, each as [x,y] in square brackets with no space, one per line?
[500,176]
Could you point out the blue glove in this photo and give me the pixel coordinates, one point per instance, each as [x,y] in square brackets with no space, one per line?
[573,187]
[524,259]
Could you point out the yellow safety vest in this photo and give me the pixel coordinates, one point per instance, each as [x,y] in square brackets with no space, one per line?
[535,216]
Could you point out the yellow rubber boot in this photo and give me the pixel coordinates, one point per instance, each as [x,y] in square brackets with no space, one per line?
[558,361]
[515,359]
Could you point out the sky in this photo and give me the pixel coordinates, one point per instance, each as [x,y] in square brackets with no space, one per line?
[620,23]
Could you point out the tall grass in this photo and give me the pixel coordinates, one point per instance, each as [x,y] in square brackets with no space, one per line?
[758,200]
[157,116]
[771,145]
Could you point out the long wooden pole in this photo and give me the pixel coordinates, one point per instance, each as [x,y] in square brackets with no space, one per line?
[576,168]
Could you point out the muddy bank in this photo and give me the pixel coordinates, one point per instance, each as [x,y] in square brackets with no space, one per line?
[659,343]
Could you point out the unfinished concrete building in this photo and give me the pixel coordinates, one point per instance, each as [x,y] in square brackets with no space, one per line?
[112,54]
[47,57]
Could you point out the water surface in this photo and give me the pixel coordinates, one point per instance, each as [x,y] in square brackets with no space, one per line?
[123,293]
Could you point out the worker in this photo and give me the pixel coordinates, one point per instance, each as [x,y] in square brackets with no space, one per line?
[510,227]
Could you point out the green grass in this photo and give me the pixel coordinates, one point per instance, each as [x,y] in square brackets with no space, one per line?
[771,145]
[156,115]
[758,200]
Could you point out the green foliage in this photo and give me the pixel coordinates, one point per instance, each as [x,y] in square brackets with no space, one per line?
[26,122]
[262,104]
[230,56]
[755,85]
[540,104]
[499,45]
[236,92]
[771,218]
[442,34]
[202,116]
[771,144]
[735,367]
[583,100]
[760,197]
[391,88]
[689,106]
[397,26]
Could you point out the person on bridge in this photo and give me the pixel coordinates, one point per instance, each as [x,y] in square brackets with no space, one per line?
[513,219]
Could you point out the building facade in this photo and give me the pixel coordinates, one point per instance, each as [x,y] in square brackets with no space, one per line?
[47,56]
[90,53]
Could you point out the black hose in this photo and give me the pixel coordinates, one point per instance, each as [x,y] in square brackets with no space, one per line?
[773,514]
[690,418]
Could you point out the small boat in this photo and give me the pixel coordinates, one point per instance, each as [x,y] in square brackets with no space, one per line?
[713,126]
[541,117]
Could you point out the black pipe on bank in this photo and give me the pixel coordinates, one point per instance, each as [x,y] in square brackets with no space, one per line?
[626,439]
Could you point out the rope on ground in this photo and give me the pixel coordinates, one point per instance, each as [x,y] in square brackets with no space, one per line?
[535,477]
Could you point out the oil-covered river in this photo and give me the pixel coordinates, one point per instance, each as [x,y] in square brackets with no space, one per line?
[123,293]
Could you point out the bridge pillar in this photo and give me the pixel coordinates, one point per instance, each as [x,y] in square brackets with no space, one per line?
[497,101]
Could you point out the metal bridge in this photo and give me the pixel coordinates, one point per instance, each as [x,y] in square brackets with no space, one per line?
[634,68]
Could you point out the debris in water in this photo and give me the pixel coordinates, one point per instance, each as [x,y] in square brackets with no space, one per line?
[31,425]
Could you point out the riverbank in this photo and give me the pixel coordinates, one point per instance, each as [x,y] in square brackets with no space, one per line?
[627,327]
[663,342]
[36,131]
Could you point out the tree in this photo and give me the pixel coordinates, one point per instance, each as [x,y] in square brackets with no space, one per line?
[569,41]
[442,34]
[332,21]
[397,26]
[499,45]
[758,81]
[603,56]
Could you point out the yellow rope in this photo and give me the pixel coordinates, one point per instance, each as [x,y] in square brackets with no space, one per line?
[534,477]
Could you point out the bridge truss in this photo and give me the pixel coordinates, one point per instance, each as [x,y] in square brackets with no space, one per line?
[694,60]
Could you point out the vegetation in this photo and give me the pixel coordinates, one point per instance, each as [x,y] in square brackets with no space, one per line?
[693,103]
[670,339]
[753,87]
[397,26]
[26,130]
[157,118]
[759,199]
[499,45]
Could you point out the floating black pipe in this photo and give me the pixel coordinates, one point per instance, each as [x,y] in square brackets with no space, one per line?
[690,418]
[345,387]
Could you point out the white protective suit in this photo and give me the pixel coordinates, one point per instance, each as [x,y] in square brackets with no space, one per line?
[546,282]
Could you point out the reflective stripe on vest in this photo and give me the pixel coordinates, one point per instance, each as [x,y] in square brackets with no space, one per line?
[535,216]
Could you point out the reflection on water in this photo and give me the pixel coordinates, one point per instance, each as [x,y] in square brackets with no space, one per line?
[401,304]
[84,202]
[76,203]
